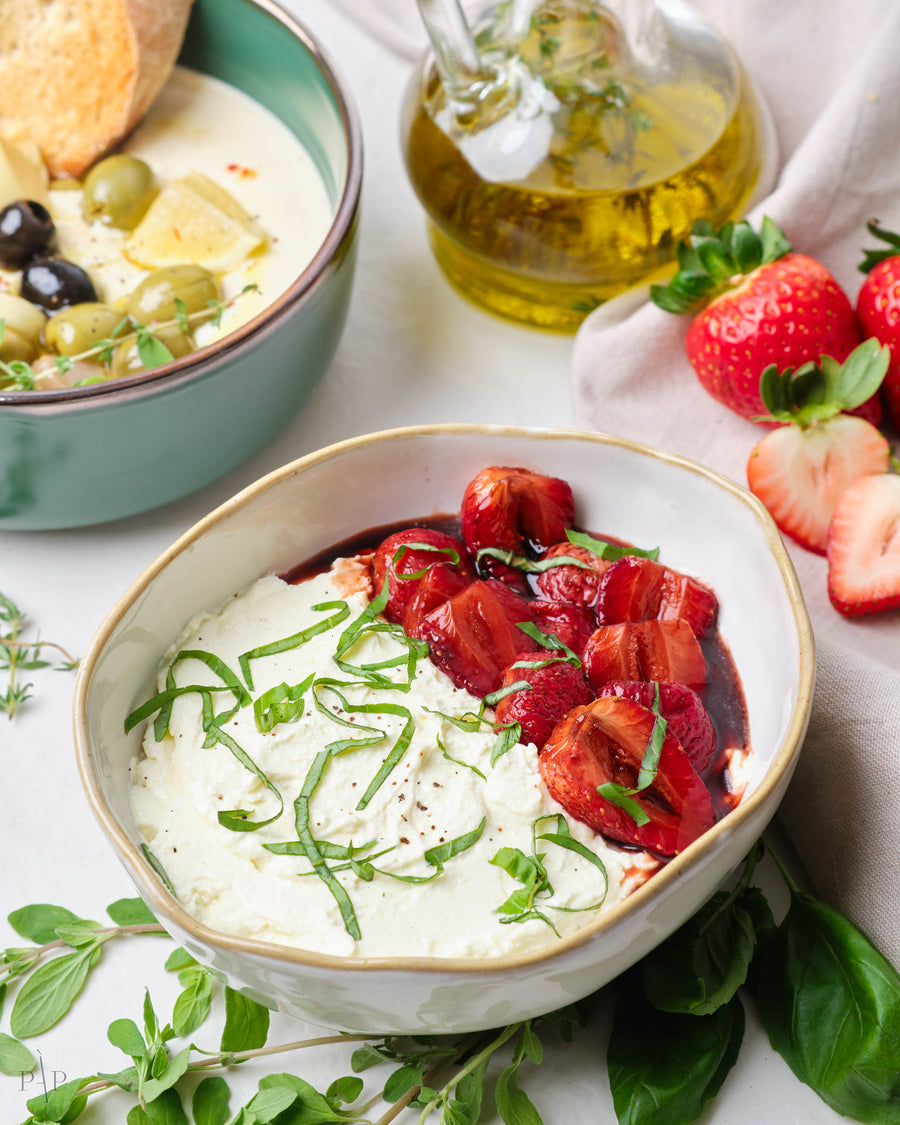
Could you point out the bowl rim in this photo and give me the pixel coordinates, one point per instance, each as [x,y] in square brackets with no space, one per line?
[198,365]
[165,904]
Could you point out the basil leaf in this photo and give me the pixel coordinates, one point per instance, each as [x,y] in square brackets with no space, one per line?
[48,993]
[665,1067]
[346,1089]
[830,1003]
[166,1109]
[703,964]
[269,1102]
[38,922]
[15,1058]
[130,912]
[209,1105]
[246,1023]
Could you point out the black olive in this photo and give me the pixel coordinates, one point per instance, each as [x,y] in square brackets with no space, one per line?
[56,283]
[26,230]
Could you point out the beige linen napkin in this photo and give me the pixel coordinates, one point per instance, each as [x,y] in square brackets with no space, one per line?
[841,167]
[833,88]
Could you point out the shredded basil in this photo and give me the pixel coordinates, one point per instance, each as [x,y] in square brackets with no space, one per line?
[451,552]
[608,551]
[342,612]
[623,797]
[548,640]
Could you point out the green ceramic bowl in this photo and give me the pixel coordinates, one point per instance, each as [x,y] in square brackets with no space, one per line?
[90,454]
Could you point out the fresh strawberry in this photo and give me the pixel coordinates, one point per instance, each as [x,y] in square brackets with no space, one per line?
[864,546]
[514,510]
[474,635]
[405,558]
[660,651]
[878,309]
[440,583]
[572,624]
[640,589]
[605,742]
[554,687]
[569,583]
[756,303]
[800,470]
[688,719]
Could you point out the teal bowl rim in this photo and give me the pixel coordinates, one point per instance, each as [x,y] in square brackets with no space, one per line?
[255,331]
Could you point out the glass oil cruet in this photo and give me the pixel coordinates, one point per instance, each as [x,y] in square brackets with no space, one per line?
[562,148]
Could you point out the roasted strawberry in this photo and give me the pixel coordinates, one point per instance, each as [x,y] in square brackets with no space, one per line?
[440,583]
[516,510]
[660,651]
[638,589]
[864,547]
[756,303]
[800,470]
[568,583]
[554,688]
[474,635]
[572,624]
[406,556]
[688,719]
[604,743]
[878,309]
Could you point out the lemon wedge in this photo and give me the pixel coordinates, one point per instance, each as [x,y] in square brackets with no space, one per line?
[194,219]
[22,173]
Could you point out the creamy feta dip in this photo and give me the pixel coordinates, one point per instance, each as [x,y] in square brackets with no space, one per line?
[201,124]
[443,840]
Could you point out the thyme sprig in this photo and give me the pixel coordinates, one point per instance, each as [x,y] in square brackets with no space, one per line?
[18,655]
[17,375]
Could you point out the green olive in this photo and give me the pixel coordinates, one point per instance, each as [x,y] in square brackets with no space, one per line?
[14,346]
[127,359]
[155,297]
[118,191]
[78,328]
[27,319]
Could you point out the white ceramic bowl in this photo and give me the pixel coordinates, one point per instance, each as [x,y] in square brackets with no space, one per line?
[703,524]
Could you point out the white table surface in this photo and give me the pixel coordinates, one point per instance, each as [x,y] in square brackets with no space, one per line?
[413,352]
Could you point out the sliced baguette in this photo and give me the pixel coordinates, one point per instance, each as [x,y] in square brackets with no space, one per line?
[76,76]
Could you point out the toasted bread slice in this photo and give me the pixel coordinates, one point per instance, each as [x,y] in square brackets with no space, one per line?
[77,75]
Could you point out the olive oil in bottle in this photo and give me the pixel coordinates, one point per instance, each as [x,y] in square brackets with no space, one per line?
[570,171]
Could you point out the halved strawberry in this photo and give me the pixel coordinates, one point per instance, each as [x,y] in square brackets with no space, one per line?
[604,742]
[759,304]
[688,719]
[440,583]
[572,624]
[406,556]
[555,687]
[660,651]
[638,589]
[572,583]
[864,547]
[514,509]
[474,636]
[878,309]
[800,470]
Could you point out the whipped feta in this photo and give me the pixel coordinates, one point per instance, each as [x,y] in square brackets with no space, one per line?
[424,846]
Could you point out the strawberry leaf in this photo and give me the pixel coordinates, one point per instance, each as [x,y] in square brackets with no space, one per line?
[871,258]
[774,244]
[746,248]
[715,259]
[861,374]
